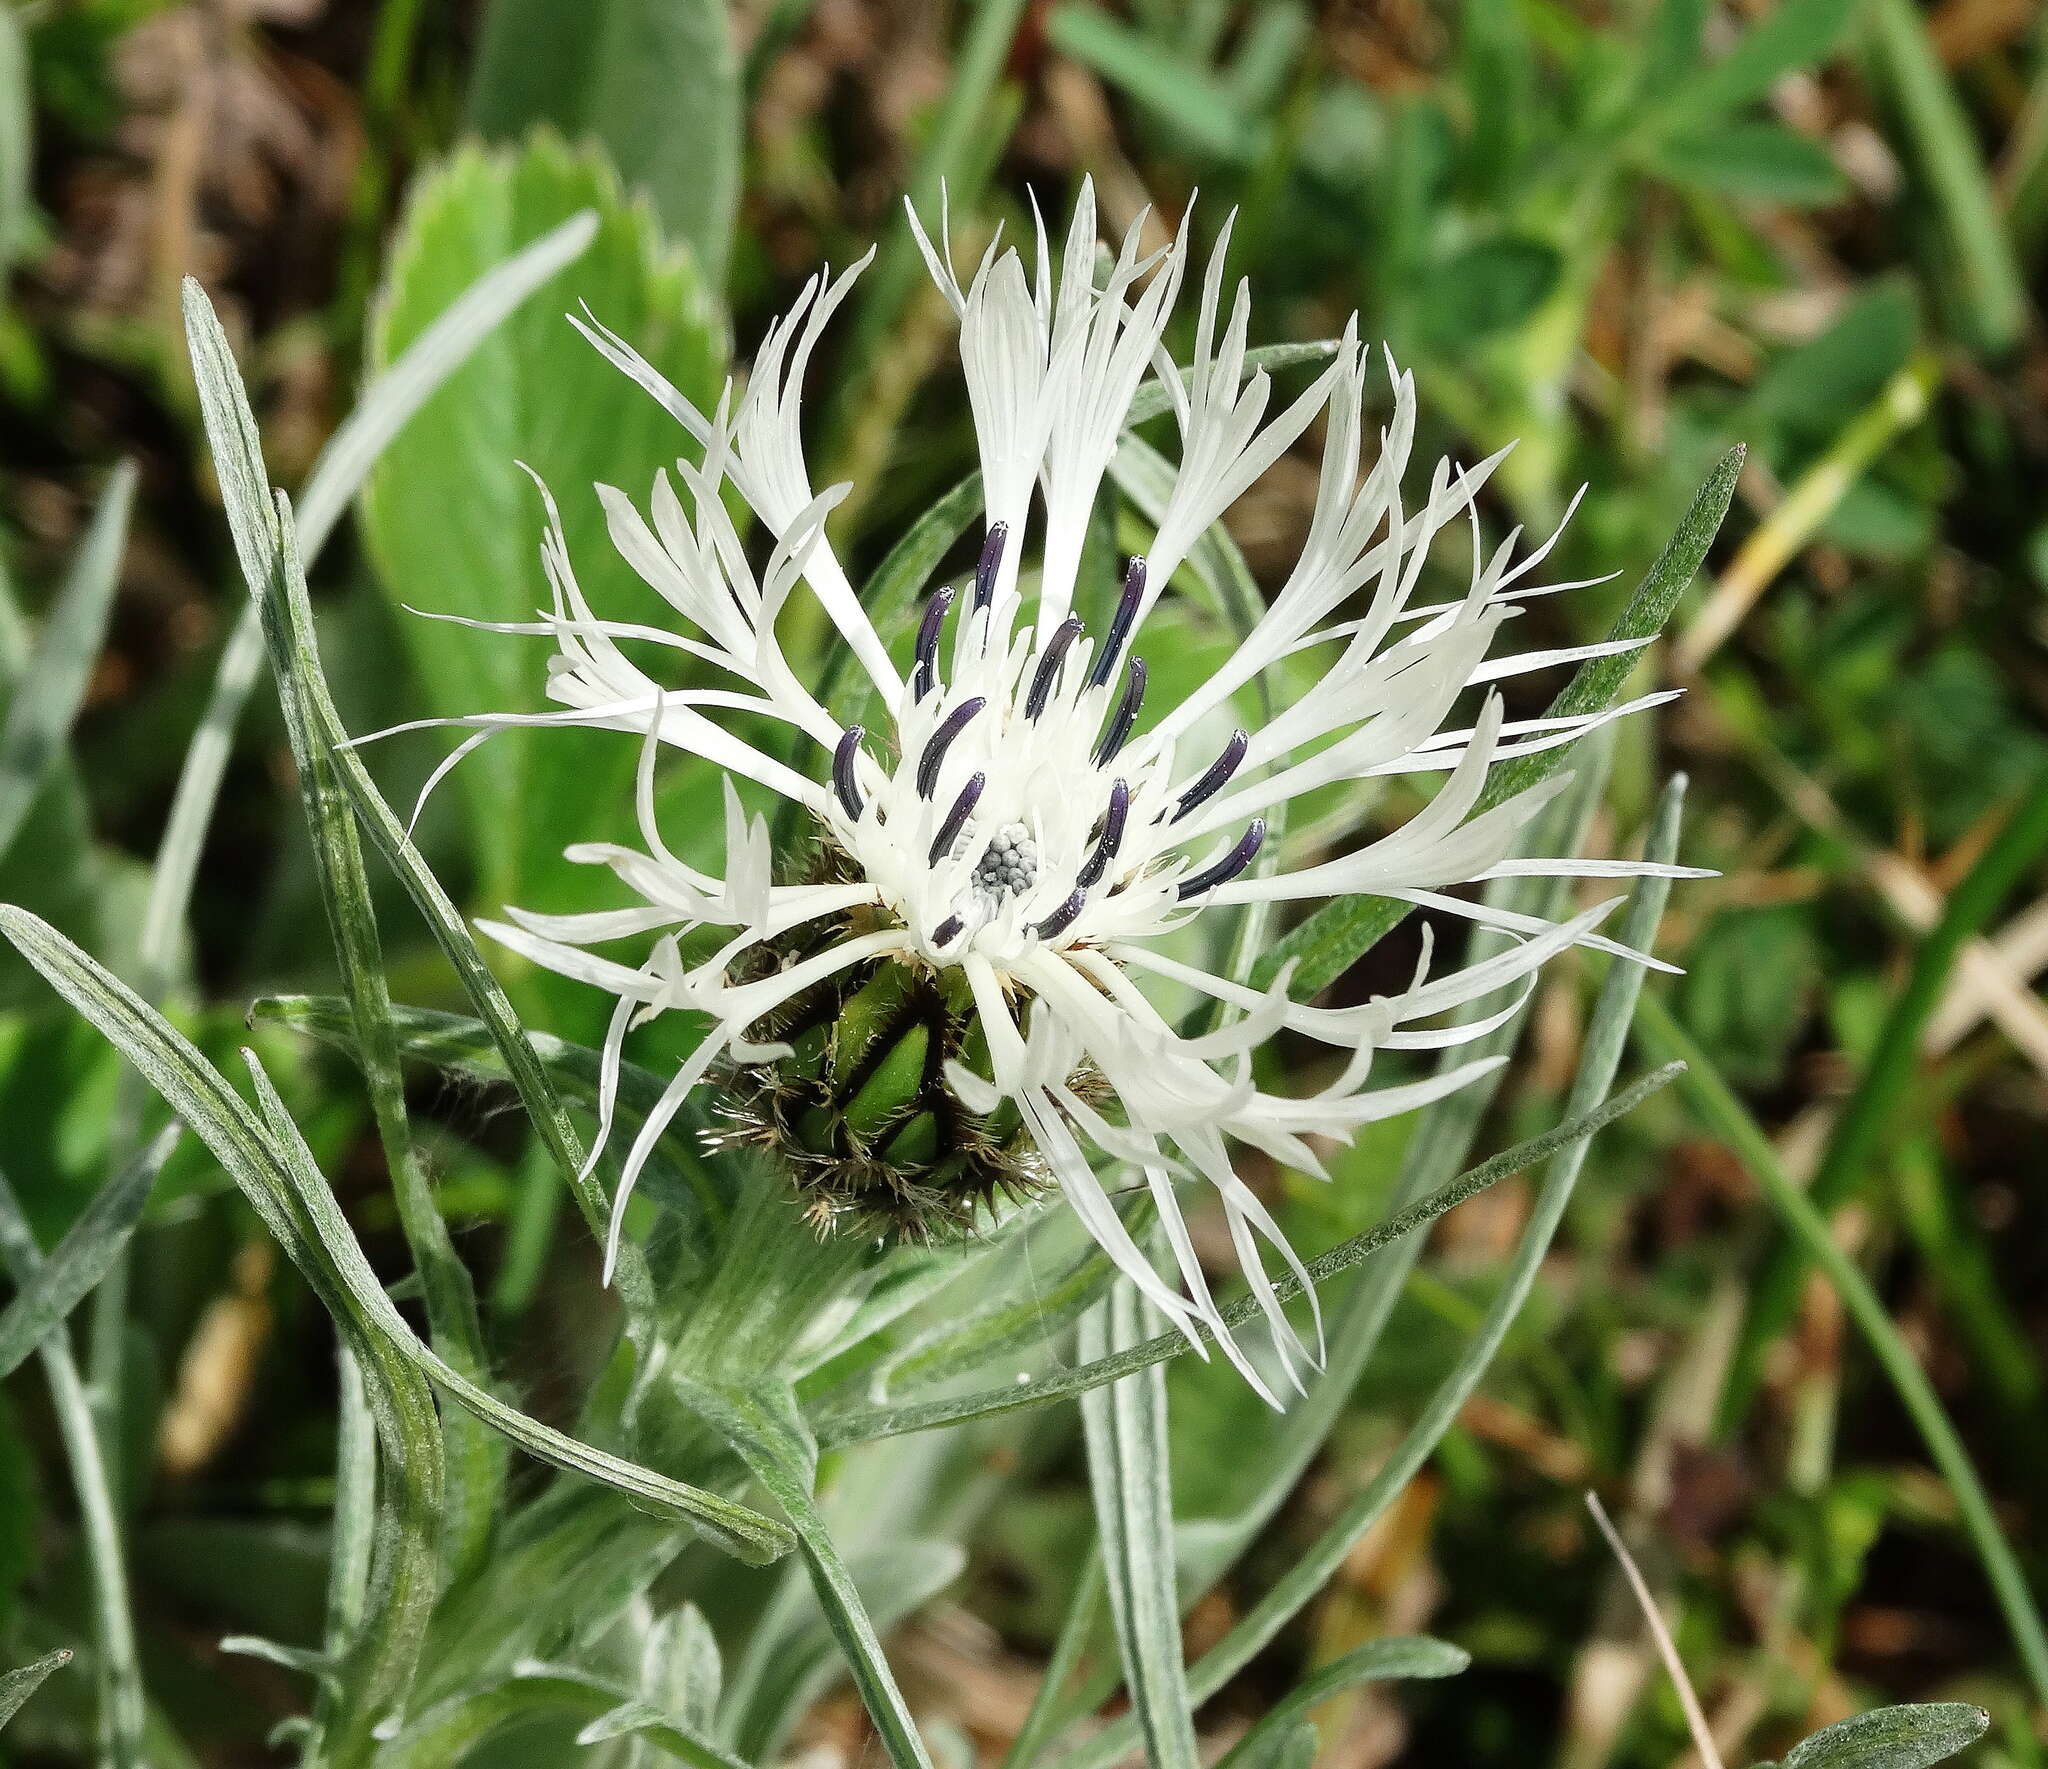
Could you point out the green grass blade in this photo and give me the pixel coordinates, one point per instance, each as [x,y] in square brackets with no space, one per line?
[859,1424]
[1131,1478]
[1855,1151]
[1726,1116]
[91,1244]
[956,157]
[277,1177]
[17,146]
[1399,1656]
[122,1712]
[52,684]
[1606,1033]
[1984,277]
[1332,939]
[18,1685]
[768,1433]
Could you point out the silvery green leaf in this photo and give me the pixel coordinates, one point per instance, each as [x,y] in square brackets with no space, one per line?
[18,1685]
[1130,1476]
[1907,1737]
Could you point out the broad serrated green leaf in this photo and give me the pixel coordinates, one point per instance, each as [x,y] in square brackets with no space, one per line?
[1906,1737]
[656,82]
[81,1259]
[454,523]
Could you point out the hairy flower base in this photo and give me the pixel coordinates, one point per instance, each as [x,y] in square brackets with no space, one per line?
[859,1113]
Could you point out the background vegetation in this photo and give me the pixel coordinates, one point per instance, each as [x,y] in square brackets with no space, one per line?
[1629,235]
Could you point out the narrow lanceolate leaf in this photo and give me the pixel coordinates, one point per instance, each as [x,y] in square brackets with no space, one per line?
[308,1223]
[258,534]
[1909,1737]
[1331,940]
[1403,1656]
[81,1259]
[1130,1476]
[53,681]
[475,1459]
[768,1433]
[17,1686]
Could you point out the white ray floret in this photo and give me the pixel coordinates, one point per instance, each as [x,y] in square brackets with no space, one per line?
[1020,815]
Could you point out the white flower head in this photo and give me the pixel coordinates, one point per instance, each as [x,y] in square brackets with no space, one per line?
[1009,846]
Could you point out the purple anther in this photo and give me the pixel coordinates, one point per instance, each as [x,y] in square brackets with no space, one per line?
[1125,716]
[1056,649]
[956,818]
[925,677]
[991,561]
[1212,780]
[1120,624]
[1229,866]
[844,782]
[1111,838]
[1063,917]
[955,722]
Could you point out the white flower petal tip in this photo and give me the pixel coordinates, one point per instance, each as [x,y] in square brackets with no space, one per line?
[979,988]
